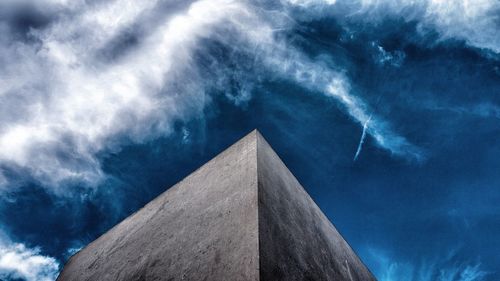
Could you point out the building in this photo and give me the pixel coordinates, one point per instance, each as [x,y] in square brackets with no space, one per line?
[241,216]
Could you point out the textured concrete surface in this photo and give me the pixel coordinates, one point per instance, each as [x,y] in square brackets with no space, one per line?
[241,216]
[203,228]
[296,240]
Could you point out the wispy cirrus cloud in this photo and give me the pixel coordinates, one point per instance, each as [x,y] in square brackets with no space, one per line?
[475,22]
[443,268]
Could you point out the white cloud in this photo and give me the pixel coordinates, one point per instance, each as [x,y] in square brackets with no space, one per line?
[71,103]
[384,57]
[362,139]
[19,262]
[317,77]
[475,21]
[308,3]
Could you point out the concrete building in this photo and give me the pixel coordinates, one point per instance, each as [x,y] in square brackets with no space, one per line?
[241,216]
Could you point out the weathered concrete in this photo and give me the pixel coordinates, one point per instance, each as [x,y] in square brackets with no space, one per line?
[241,216]
[203,228]
[296,240]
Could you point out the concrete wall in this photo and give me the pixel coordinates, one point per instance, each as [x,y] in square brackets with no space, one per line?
[203,228]
[296,240]
[241,216]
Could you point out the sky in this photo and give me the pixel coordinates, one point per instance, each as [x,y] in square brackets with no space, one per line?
[387,112]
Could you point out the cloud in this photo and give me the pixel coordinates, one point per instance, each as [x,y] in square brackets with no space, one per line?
[475,22]
[362,139]
[484,110]
[316,76]
[384,57]
[430,269]
[20,262]
[70,107]
[89,82]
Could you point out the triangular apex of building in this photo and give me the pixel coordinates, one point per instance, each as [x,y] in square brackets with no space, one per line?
[241,216]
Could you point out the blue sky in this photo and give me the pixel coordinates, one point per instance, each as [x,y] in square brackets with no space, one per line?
[386,111]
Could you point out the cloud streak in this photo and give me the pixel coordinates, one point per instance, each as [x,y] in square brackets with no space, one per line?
[362,139]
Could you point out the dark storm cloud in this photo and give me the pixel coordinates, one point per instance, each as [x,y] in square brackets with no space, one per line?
[104,104]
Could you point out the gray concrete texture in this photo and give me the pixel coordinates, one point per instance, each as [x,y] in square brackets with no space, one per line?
[296,240]
[241,216]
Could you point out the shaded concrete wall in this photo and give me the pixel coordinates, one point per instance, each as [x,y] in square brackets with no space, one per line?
[203,228]
[296,240]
